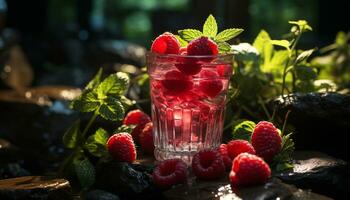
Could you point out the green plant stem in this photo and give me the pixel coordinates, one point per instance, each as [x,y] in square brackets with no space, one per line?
[287,64]
[285,122]
[78,147]
[260,100]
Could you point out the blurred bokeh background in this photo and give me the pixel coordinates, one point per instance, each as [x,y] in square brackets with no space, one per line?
[80,35]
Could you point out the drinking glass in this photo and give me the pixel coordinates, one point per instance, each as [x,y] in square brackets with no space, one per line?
[188,96]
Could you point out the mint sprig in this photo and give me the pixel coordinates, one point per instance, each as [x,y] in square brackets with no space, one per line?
[104,98]
[210,29]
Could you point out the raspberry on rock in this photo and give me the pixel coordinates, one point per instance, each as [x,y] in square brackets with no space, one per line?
[202,46]
[208,165]
[266,140]
[176,82]
[248,169]
[121,147]
[227,160]
[170,172]
[211,85]
[146,138]
[166,44]
[235,147]
[138,118]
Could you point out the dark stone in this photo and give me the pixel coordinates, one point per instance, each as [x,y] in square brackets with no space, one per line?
[35,187]
[12,170]
[319,172]
[122,179]
[320,120]
[8,152]
[221,189]
[101,195]
[34,122]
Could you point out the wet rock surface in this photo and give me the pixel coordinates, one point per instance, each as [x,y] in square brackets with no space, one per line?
[122,179]
[320,173]
[100,195]
[222,190]
[322,115]
[35,187]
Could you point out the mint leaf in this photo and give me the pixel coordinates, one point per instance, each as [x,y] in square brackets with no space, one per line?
[264,46]
[282,43]
[304,55]
[114,84]
[227,34]
[112,109]
[96,143]
[85,172]
[86,102]
[224,47]
[182,42]
[71,136]
[126,102]
[302,25]
[243,130]
[283,160]
[210,27]
[189,34]
[305,72]
[95,81]
[125,128]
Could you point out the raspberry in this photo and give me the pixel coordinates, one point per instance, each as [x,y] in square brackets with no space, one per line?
[235,147]
[176,82]
[208,165]
[170,172]
[138,118]
[188,65]
[266,140]
[166,44]
[248,169]
[227,160]
[210,84]
[224,70]
[183,51]
[122,147]
[146,138]
[202,46]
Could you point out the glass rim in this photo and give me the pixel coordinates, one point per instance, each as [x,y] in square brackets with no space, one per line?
[149,53]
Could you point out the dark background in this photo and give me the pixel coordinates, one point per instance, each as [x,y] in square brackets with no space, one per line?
[58,34]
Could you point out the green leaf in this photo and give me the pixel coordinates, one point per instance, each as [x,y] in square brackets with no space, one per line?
[126,102]
[276,64]
[85,172]
[72,135]
[302,25]
[112,109]
[341,39]
[264,46]
[282,43]
[114,84]
[305,72]
[228,34]
[96,143]
[189,34]
[283,160]
[125,128]
[210,27]
[86,102]
[182,42]
[243,130]
[224,47]
[95,81]
[304,55]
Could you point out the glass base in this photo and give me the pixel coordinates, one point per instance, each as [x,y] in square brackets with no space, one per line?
[186,156]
